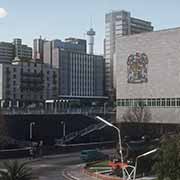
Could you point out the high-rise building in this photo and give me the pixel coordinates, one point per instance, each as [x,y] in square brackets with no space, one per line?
[71,44]
[6,52]
[117,24]
[10,51]
[23,83]
[80,75]
[22,51]
[38,46]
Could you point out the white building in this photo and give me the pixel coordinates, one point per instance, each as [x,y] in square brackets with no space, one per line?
[118,24]
[148,75]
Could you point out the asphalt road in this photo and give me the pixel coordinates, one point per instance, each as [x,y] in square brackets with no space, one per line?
[52,168]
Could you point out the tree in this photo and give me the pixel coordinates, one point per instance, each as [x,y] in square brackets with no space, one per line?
[137,114]
[167,165]
[15,171]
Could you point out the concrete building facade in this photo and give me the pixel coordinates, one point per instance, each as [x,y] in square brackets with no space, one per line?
[148,76]
[38,49]
[70,44]
[6,52]
[10,51]
[21,51]
[117,24]
[80,75]
[24,83]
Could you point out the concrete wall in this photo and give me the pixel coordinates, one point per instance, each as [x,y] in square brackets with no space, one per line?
[163,51]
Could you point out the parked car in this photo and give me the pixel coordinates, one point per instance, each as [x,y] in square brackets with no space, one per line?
[92,155]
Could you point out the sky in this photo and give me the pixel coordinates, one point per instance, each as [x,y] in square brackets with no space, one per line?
[59,19]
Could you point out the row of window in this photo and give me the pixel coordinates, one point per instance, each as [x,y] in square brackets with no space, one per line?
[158,102]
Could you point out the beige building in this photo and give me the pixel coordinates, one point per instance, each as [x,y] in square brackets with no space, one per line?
[118,24]
[148,76]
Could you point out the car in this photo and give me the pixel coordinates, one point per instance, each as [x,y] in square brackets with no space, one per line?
[92,155]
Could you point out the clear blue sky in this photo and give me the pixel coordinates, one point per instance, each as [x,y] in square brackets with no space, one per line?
[27,19]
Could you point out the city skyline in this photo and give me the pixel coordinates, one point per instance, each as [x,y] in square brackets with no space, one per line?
[55,19]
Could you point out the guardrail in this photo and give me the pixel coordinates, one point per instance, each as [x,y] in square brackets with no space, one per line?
[85,111]
[14,153]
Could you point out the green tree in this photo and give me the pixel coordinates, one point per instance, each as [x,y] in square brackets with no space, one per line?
[15,171]
[167,165]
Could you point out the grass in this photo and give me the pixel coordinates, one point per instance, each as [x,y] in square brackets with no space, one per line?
[100,166]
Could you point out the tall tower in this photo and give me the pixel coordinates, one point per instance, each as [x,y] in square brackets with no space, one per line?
[91,33]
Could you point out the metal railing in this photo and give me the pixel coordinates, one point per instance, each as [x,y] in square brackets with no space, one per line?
[86,111]
[80,133]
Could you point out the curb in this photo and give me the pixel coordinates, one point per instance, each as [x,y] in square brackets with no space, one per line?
[66,174]
[100,176]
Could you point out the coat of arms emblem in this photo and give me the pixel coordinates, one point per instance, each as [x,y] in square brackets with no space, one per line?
[137,68]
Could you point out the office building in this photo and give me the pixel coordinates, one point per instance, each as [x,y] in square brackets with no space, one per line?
[24,83]
[22,51]
[15,50]
[80,75]
[148,76]
[6,52]
[71,44]
[117,24]
[38,49]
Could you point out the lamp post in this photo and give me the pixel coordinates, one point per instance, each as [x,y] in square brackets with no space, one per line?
[142,155]
[30,130]
[64,128]
[104,109]
[119,138]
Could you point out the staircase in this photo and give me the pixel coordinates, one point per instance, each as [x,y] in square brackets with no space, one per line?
[80,133]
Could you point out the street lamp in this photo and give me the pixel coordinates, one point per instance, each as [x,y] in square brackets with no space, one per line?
[119,137]
[64,128]
[142,155]
[104,109]
[30,129]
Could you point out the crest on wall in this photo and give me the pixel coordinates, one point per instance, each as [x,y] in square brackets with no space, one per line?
[137,68]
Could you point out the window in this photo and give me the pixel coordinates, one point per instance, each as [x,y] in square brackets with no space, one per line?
[153,102]
[158,102]
[123,103]
[178,102]
[173,102]
[163,102]
[168,102]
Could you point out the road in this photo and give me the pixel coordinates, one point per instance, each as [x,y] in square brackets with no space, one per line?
[52,168]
